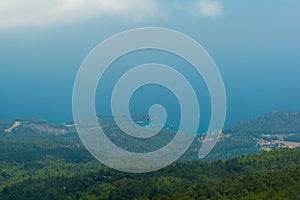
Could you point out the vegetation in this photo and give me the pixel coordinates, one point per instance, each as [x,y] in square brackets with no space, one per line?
[272,175]
[48,161]
[276,122]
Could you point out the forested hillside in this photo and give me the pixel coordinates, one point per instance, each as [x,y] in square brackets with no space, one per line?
[269,175]
[39,160]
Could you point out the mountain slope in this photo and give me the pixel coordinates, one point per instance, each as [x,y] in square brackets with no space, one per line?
[269,175]
[272,130]
[277,122]
[35,155]
[269,131]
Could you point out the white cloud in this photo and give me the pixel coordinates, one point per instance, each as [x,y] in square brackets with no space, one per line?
[15,13]
[19,13]
[210,8]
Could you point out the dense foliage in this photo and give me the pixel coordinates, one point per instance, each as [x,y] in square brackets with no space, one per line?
[275,122]
[48,161]
[272,175]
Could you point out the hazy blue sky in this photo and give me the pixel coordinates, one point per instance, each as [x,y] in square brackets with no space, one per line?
[255,44]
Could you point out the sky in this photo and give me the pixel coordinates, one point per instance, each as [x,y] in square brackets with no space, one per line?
[255,45]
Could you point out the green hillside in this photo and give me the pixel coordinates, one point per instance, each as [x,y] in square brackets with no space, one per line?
[39,160]
[269,175]
[277,122]
[270,131]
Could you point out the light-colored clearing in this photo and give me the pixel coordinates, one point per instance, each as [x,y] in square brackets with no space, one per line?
[15,125]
